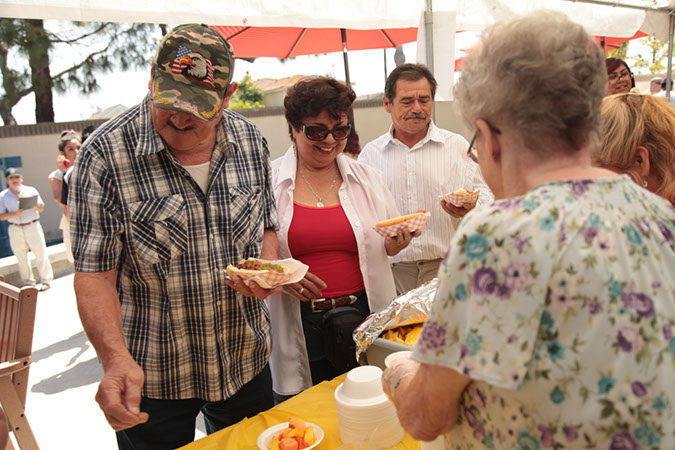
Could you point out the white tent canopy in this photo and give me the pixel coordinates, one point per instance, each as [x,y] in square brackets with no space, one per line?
[600,17]
[355,14]
[471,15]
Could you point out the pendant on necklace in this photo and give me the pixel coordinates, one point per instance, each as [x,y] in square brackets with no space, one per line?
[319,205]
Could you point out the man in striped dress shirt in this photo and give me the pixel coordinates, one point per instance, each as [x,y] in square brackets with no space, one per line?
[162,199]
[420,162]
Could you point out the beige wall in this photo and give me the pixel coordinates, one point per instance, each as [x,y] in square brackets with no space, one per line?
[38,155]
[371,122]
[36,144]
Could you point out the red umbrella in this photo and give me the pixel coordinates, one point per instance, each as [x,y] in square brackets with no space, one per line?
[611,43]
[287,42]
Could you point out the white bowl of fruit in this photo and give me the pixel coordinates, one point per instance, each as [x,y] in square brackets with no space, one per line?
[296,434]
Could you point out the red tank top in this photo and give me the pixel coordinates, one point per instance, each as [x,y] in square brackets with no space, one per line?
[323,239]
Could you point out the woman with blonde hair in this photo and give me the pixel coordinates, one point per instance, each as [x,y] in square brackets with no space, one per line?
[638,139]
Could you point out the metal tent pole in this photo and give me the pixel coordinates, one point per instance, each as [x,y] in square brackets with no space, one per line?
[669,77]
[343,32]
[429,40]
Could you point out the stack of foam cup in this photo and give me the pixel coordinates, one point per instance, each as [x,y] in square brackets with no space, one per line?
[365,414]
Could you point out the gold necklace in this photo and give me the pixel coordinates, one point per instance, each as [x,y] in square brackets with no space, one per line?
[319,203]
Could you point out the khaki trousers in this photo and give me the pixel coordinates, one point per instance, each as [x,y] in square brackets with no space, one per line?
[410,274]
[27,238]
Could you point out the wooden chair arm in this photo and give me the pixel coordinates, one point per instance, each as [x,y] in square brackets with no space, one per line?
[13,366]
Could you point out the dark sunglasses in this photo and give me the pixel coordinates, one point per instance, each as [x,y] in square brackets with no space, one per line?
[471,151]
[319,133]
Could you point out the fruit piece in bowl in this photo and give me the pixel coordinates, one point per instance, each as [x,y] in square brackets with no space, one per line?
[296,434]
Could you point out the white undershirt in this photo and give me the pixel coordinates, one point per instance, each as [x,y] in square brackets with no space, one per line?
[200,173]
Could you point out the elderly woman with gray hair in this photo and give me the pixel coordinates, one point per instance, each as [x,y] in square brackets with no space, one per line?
[553,322]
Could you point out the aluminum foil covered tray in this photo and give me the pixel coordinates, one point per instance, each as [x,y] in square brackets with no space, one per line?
[411,307]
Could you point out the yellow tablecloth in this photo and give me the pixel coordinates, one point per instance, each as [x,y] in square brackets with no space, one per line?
[316,405]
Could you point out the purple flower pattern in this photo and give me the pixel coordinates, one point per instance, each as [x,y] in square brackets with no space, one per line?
[484,281]
[432,337]
[505,306]
[638,389]
[641,303]
[665,231]
[571,433]
[623,441]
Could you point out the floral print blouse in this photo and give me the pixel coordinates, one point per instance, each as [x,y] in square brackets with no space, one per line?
[560,305]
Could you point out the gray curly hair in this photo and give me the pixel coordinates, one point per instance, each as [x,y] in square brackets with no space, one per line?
[542,74]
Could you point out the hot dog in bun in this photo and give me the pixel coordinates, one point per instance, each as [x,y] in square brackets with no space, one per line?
[396,220]
[253,266]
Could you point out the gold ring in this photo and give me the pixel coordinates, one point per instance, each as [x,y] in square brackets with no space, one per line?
[301,289]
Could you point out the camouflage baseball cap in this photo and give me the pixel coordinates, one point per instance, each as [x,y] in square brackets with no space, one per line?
[192,70]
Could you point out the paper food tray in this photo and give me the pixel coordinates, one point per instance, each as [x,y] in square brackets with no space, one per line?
[273,279]
[411,225]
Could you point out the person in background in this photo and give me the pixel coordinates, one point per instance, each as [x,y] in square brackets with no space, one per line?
[552,326]
[328,204]
[654,86]
[87,131]
[162,198]
[638,139]
[69,146]
[619,77]
[25,231]
[421,162]
[662,92]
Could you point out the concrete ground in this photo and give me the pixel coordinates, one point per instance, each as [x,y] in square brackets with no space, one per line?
[64,376]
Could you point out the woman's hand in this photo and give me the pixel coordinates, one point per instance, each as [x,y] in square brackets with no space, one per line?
[252,290]
[61,163]
[393,245]
[426,397]
[307,289]
[457,211]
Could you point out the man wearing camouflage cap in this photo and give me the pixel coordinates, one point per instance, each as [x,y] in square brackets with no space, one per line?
[162,199]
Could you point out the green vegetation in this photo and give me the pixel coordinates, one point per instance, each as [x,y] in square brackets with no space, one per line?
[31,52]
[247,96]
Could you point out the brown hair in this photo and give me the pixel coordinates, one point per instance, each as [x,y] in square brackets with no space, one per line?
[67,136]
[308,98]
[631,121]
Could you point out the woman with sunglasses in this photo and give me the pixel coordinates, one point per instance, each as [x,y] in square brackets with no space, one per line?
[619,77]
[327,204]
[638,139]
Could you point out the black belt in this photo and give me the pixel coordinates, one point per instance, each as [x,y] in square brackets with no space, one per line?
[325,304]
[23,224]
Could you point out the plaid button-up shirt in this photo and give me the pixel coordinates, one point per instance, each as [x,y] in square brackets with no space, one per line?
[134,208]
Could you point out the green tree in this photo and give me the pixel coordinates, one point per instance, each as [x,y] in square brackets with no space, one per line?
[247,96]
[28,51]
[653,60]
[619,52]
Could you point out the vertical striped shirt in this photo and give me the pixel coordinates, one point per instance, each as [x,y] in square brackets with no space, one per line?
[417,176]
[134,208]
